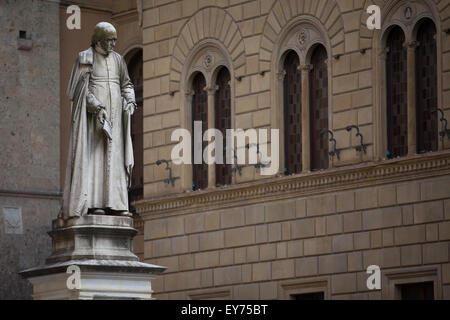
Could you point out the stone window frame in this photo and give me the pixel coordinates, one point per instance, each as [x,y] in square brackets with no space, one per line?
[308,285]
[394,16]
[208,57]
[291,39]
[393,278]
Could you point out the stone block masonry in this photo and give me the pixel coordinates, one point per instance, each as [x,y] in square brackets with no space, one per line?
[320,229]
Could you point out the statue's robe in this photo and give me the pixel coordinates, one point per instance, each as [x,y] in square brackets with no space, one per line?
[98,171]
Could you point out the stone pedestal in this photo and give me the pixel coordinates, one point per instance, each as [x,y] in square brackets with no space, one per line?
[92,258]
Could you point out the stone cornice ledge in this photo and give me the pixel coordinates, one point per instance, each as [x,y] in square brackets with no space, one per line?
[302,185]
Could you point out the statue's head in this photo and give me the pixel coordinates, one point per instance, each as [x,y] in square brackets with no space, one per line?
[105,35]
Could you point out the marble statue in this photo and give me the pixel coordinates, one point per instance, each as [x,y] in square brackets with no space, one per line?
[100,155]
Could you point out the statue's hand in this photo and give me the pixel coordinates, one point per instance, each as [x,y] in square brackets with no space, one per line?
[130,108]
[101,116]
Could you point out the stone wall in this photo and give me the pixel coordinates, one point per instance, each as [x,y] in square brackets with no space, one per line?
[29,135]
[268,245]
[251,34]
[301,244]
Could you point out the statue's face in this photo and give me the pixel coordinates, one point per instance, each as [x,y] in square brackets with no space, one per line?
[108,42]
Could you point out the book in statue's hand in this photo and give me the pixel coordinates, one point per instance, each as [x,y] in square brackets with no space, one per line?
[107,130]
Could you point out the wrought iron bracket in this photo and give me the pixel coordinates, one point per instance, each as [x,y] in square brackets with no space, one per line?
[362,146]
[336,152]
[260,164]
[170,180]
[444,132]
[237,168]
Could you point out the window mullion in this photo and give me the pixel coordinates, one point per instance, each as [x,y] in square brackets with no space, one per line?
[411,95]
[306,141]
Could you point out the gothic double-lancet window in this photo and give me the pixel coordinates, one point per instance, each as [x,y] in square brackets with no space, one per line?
[426,87]
[396,89]
[222,121]
[305,102]
[292,84]
[411,70]
[199,113]
[209,93]
[318,85]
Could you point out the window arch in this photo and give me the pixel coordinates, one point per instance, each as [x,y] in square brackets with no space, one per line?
[426,87]
[134,66]
[205,89]
[292,100]
[199,113]
[396,97]
[318,85]
[410,65]
[223,121]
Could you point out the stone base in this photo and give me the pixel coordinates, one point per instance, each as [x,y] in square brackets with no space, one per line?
[97,279]
[92,258]
[92,237]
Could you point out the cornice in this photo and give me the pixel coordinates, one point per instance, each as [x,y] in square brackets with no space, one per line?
[125,16]
[30,193]
[84,5]
[302,185]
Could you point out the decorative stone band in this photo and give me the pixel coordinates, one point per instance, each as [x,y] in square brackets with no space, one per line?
[93,279]
[94,265]
[31,193]
[139,225]
[92,237]
[301,185]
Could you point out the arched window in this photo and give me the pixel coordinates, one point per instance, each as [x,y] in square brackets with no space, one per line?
[199,113]
[318,84]
[223,122]
[137,131]
[396,89]
[292,86]
[426,87]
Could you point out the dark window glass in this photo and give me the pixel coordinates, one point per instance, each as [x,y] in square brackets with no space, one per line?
[223,122]
[137,132]
[292,85]
[426,88]
[199,113]
[396,88]
[309,296]
[417,291]
[318,84]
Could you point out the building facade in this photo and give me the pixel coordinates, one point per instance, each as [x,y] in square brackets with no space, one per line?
[378,194]
[364,161]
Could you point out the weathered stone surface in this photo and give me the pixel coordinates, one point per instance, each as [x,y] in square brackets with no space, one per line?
[30,139]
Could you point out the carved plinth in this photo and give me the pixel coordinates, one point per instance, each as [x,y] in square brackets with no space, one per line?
[92,237]
[92,258]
